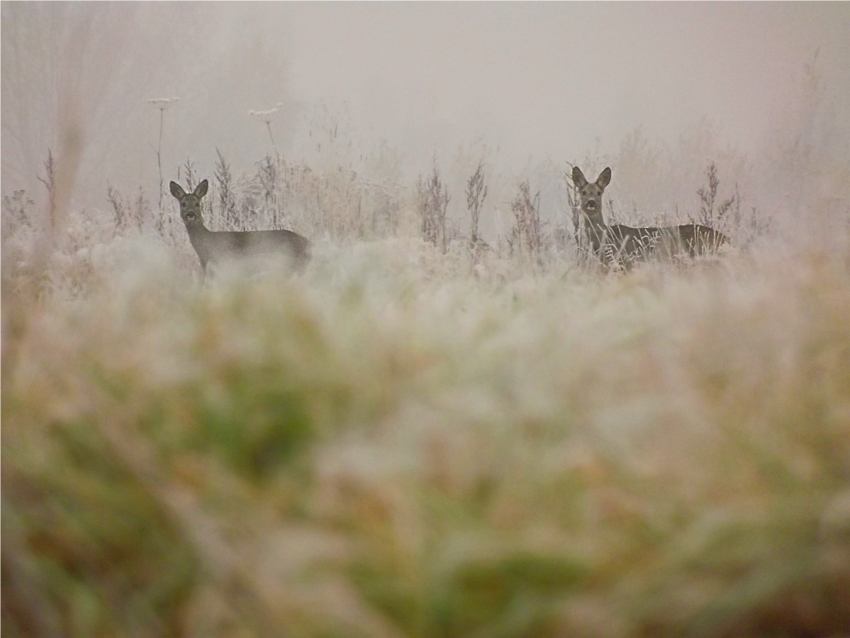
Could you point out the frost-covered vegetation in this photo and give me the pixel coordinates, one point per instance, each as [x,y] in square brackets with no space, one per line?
[455,422]
[425,434]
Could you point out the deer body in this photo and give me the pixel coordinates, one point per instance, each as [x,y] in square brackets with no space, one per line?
[215,247]
[626,245]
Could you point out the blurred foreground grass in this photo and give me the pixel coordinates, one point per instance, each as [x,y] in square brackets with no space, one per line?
[388,448]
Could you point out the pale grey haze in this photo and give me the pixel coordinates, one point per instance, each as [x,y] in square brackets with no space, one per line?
[392,87]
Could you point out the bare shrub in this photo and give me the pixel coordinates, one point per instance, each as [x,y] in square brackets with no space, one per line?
[128,214]
[713,213]
[728,215]
[49,181]
[267,173]
[226,196]
[476,193]
[187,173]
[525,237]
[17,209]
[432,202]
[385,201]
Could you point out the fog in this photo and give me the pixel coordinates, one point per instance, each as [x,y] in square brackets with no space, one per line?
[655,89]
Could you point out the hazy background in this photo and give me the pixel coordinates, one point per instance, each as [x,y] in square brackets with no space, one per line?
[656,90]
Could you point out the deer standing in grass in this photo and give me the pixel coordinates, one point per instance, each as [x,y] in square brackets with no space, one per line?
[618,244]
[218,247]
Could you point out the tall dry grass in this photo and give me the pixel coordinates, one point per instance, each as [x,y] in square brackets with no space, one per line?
[402,444]
[391,446]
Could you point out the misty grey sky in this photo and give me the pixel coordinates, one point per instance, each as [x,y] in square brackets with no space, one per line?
[536,80]
[553,77]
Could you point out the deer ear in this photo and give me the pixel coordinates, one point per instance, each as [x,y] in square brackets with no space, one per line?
[201,189]
[578,177]
[177,190]
[604,178]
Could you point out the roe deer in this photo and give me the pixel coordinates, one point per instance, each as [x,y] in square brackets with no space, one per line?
[618,244]
[217,247]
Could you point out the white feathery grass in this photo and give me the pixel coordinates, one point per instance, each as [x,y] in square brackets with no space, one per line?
[388,434]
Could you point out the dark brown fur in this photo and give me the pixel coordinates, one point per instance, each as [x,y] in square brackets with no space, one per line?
[624,245]
[214,247]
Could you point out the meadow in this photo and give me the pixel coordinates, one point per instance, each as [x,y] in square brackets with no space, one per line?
[422,435]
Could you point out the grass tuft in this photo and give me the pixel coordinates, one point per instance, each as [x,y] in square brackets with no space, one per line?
[392,446]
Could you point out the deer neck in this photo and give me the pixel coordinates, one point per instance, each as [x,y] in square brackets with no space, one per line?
[596,228]
[200,237]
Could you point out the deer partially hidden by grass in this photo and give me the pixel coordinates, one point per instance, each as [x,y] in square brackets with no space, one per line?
[219,247]
[623,245]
